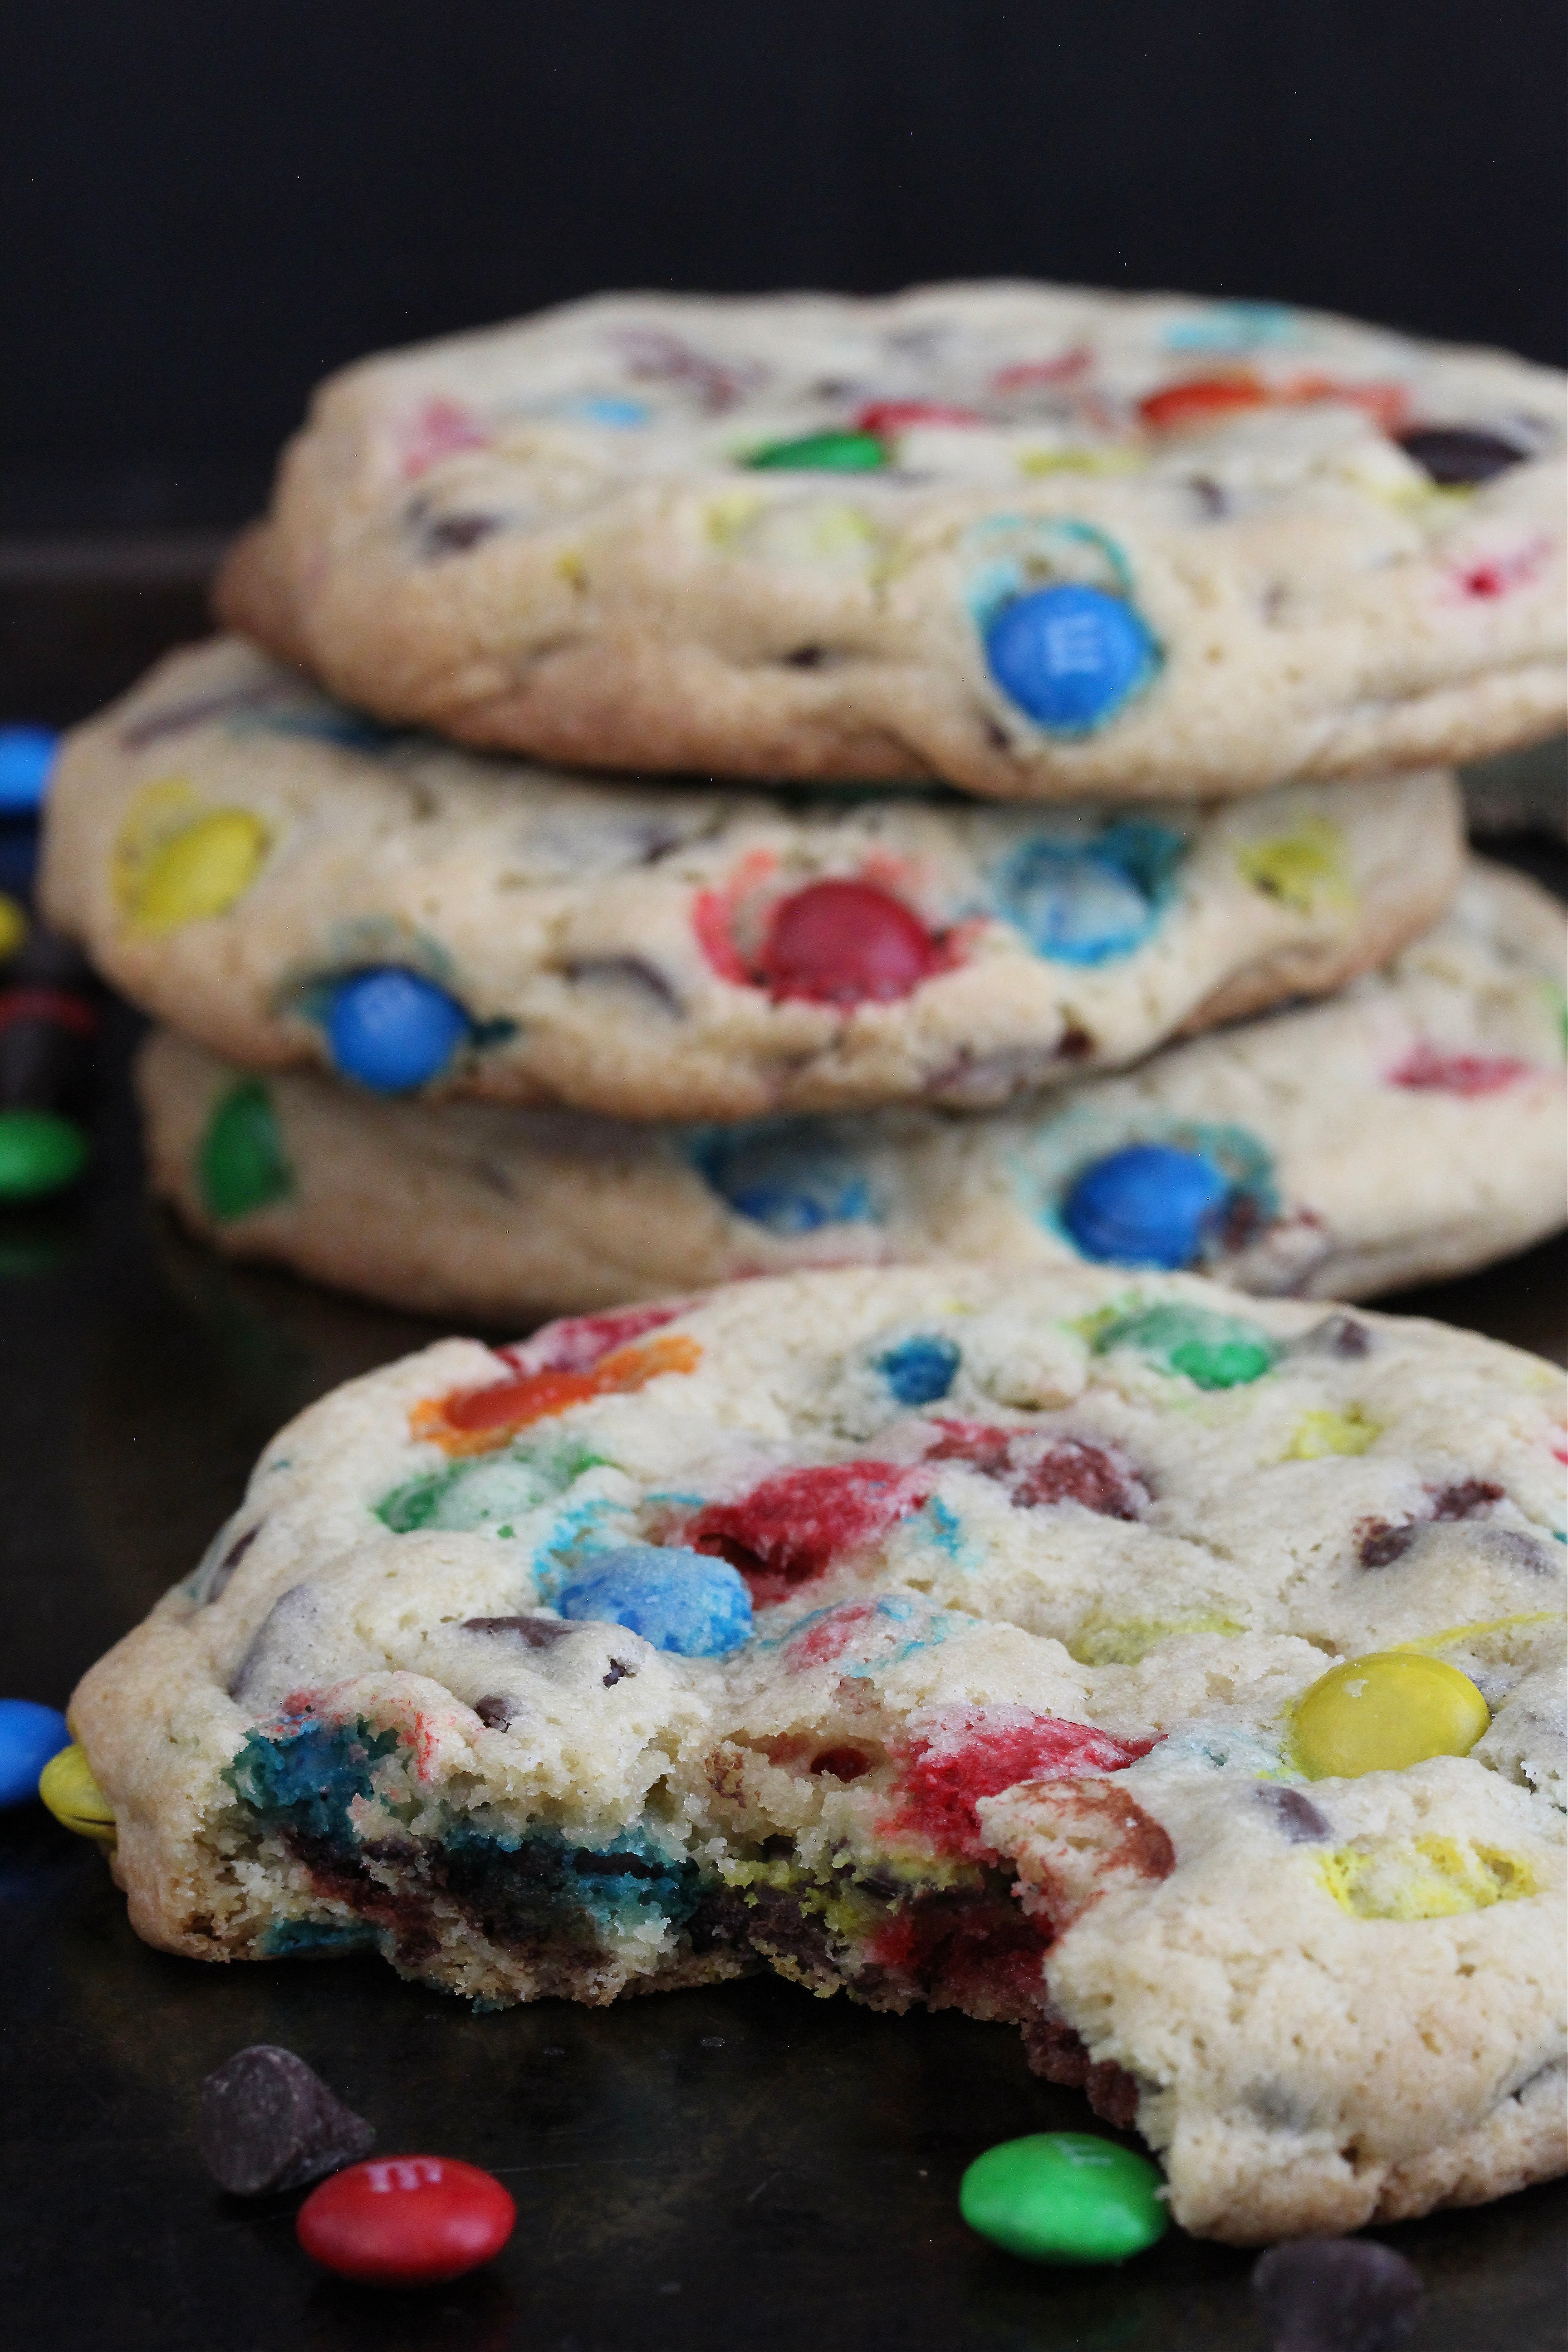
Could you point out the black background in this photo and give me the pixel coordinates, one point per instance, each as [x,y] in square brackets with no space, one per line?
[205,207]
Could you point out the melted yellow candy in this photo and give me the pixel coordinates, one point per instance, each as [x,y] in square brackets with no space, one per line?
[1383,1713]
[13,926]
[1121,1641]
[1423,1878]
[66,1786]
[202,870]
[1320,1434]
[1305,870]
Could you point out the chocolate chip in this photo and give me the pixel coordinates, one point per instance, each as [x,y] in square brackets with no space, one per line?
[1295,1816]
[806,658]
[1382,1543]
[267,2122]
[1073,1044]
[534,1632]
[619,1671]
[1455,454]
[1464,1499]
[1336,2295]
[1212,499]
[455,534]
[1337,1335]
[494,1710]
[627,972]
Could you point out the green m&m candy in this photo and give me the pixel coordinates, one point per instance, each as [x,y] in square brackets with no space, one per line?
[823,453]
[1065,2197]
[39,1152]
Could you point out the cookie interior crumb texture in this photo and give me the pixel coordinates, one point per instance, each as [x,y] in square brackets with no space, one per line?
[938,1634]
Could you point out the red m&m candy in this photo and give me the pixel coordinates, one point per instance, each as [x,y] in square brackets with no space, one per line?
[406,2220]
[846,943]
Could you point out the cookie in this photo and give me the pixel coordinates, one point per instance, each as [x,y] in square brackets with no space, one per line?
[283,880]
[1039,541]
[965,1635]
[1410,1128]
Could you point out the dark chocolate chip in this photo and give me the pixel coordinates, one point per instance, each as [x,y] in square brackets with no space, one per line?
[267,2122]
[1073,1044]
[218,1582]
[533,1633]
[1336,2295]
[1464,1499]
[806,658]
[494,1710]
[455,534]
[1382,1542]
[1295,1816]
[1454,454]
[628,971]
[618,1673]
[1212,499]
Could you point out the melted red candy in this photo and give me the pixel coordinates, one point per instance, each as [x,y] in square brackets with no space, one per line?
[1458,1073]
[831,1635]
[800,1524]
[1207,400]
[846,943]
[978,1752]
[475,1421]
[1036,1469]
[1496,576]
[984,1957]
[896,416]
[440,430]
[578,1345]
[406,2220]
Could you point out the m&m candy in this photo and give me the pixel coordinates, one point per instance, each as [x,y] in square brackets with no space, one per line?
[846,942]
[1070,655]
[1064,2198]
[1383,1713]
[406,2220]
[13,927]
[829,453]
[29,1735]
[677,1599]
[68,1788]
[392,1029]
[48,1029]
[1337,2294]
[1148,1205]
[26,755]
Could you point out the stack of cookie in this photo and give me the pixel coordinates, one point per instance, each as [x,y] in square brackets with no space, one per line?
[1086,655]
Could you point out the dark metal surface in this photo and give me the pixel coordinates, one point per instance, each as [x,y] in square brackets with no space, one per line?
[745,2169]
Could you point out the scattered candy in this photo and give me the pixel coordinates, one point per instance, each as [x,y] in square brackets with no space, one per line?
[1455,454]
[39,1152]
[26,755]
[406,2220]
[48,1026]
[846,943]
[13,927]
[1149,1205]
[391,1029]
[242,1165]
[834,453]
[1383,1713]
[198,871]
[29,1735]
[68,1788]
[1336,2295]
[1070,655]
[1064,2198]
[682,1601]
[267,2122]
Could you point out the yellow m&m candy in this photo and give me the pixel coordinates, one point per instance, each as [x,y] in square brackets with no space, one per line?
[199,870]
[66,1786]
[1383,1712]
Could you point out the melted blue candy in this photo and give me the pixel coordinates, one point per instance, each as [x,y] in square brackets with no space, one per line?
[391,1029]
[921,1370]
[317,1939]
[1070,655]
[609,408]
[677,1599]
[1148,1205]
[1084,903]
[785,1175]
[29,1735]
[308,1779]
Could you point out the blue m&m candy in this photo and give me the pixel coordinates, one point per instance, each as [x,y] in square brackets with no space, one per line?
[29,1735]
[921,1370]
[26,755]
[391,1029]
[794,1176]
[1149,1205]
[677,1599]
[1070,655]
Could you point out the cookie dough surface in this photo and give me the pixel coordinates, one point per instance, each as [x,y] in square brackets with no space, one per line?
[238,854]
[1038,540]
[933,1632]
[1411,1128]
